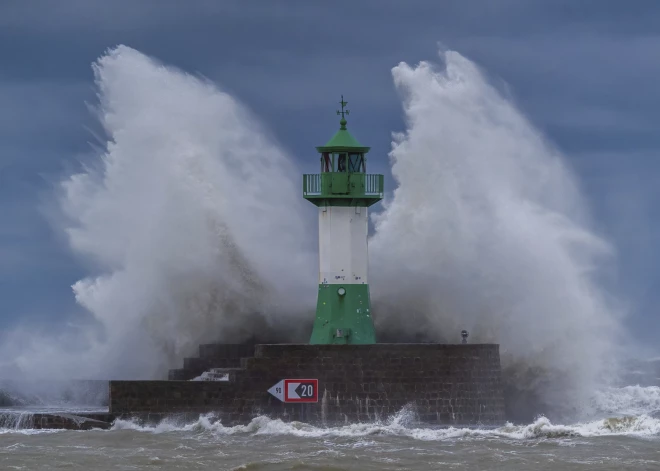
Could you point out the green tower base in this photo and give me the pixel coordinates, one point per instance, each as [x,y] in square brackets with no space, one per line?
[343,318]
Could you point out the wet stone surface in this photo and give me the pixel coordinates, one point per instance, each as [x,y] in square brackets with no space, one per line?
[443,384]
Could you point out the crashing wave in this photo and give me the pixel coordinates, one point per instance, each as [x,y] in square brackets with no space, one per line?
[541,428]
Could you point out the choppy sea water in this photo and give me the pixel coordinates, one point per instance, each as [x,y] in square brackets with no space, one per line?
[626,442]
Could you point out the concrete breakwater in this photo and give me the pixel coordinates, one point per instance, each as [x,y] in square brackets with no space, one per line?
[442,384]
[18,420]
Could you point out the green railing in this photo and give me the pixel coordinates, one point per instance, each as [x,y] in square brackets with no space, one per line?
[342,185]
[312,184]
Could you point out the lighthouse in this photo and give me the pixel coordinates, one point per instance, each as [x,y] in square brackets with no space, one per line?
[342,191]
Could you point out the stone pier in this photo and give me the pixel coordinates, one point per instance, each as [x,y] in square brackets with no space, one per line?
[442,384]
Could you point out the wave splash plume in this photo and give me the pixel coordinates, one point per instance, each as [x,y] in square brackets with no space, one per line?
[487,231]
[190,220]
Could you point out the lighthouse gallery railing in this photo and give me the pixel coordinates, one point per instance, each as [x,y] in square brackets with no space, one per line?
[336,184]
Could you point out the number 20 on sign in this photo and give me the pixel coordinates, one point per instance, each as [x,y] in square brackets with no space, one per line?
[296,390]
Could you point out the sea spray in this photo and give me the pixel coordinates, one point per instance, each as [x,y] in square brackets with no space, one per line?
[208,211]
[191,221]
[14,421]
[629,400]
[487,231]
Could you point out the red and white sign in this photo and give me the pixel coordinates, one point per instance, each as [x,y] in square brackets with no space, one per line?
[296,390]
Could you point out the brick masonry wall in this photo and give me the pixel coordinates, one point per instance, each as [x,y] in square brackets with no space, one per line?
[442,384]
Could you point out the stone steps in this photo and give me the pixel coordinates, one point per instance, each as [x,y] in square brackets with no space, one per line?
[219,374]
[212,357]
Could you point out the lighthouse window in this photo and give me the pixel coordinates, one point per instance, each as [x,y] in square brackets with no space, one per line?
[341,163]
[356,163]
[326,162]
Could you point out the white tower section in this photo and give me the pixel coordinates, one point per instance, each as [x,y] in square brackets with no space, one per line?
[343,245]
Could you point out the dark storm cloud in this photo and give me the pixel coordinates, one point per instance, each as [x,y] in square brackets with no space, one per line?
[549,51]
[585,72]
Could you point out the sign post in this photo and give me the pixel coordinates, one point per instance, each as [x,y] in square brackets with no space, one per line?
[296,390]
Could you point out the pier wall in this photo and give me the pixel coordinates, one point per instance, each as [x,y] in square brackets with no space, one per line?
[442,384]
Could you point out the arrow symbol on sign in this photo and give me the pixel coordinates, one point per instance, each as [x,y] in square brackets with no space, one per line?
[292,390]
[278,390]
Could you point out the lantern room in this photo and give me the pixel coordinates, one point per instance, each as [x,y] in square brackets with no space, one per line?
[343,174]
[343,153]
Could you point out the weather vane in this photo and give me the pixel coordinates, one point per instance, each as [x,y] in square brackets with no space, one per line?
[343,104]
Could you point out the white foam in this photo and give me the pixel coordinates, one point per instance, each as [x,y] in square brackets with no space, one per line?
[629,400]
[401,425]
[31,431]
